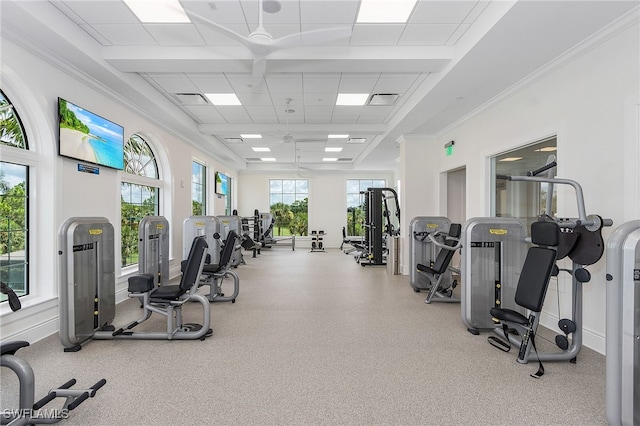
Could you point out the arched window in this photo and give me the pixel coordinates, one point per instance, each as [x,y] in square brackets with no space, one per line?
[140,194]
[14,205]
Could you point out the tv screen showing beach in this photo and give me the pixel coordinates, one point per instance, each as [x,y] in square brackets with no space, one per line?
[221,183]
[88,137]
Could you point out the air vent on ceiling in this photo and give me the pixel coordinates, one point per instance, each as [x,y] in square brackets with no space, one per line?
[253,159]
[191,99]
[383,99]
[233,140]
[356,140]
[345,159]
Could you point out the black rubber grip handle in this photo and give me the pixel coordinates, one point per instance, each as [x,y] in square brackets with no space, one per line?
[544,168]
[503,177]
[118,331]
[68,384]
[97,386]
[44,401]
[79,400]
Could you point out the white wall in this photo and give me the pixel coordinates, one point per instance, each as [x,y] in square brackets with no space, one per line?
[589,102]
[327,199]
[60,191]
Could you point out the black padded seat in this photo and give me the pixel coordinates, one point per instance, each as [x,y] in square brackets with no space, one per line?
[10,348]
[509,315]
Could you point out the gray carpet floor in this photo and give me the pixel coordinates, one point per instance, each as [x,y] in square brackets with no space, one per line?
[316,339]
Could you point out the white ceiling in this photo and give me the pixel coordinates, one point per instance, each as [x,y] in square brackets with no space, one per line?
[449,58]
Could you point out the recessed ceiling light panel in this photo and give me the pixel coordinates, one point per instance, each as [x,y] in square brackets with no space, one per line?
[223,98]
[385,11]
[352,99]
[158,11]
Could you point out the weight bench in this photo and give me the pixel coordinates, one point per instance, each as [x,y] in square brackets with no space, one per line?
[539,266]
[168,300]
[435,273]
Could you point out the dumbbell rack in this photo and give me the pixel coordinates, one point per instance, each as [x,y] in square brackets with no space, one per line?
[317,244]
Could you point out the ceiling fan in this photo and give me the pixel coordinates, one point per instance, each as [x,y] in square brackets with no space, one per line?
[261,44]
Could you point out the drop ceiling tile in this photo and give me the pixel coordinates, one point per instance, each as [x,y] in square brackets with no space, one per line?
[289,13]
[221,11]
[211,84]
[206,114]
[215,37]
[243,83]
[282,100]
[318,114]
[427,34]
[125,34]
[394,83]
[330,11]
[376,34]
[234,114]
[178,84]
[318,84]
[441,12]
[286,83]
[358,83]
[254,98]
[261,113]
[320,99]
[175,34]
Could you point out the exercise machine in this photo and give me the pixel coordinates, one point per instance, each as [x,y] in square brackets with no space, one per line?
[439,273]
[232,223]
[153,248]
[87,289]
[623,325]
[213,275]
[28,411]
[421,250]
[202,226]
[382,219]
[317,241]
[580,239]
[268,240]
[493,252]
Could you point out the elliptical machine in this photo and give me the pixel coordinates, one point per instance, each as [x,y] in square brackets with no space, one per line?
[30,413]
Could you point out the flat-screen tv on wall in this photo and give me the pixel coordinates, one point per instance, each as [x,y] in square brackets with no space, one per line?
[222,182]
[87,137]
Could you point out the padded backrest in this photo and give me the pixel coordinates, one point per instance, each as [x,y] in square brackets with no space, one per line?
[545,233]
[227,250]
[538,266]
[443,259]
[194,263]
[534,279]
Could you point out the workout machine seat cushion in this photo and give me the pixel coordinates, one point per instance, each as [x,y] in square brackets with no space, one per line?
[141,283]
[509,315]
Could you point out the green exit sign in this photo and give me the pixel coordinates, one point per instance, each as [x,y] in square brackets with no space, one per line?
[448,148]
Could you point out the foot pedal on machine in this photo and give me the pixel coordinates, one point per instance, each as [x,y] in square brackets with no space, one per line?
[499,343]
[567,326]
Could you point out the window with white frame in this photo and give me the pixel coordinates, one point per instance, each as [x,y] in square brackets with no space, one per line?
[289,201]
[140,194]
[355,203]
[14,201]
[198,189]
